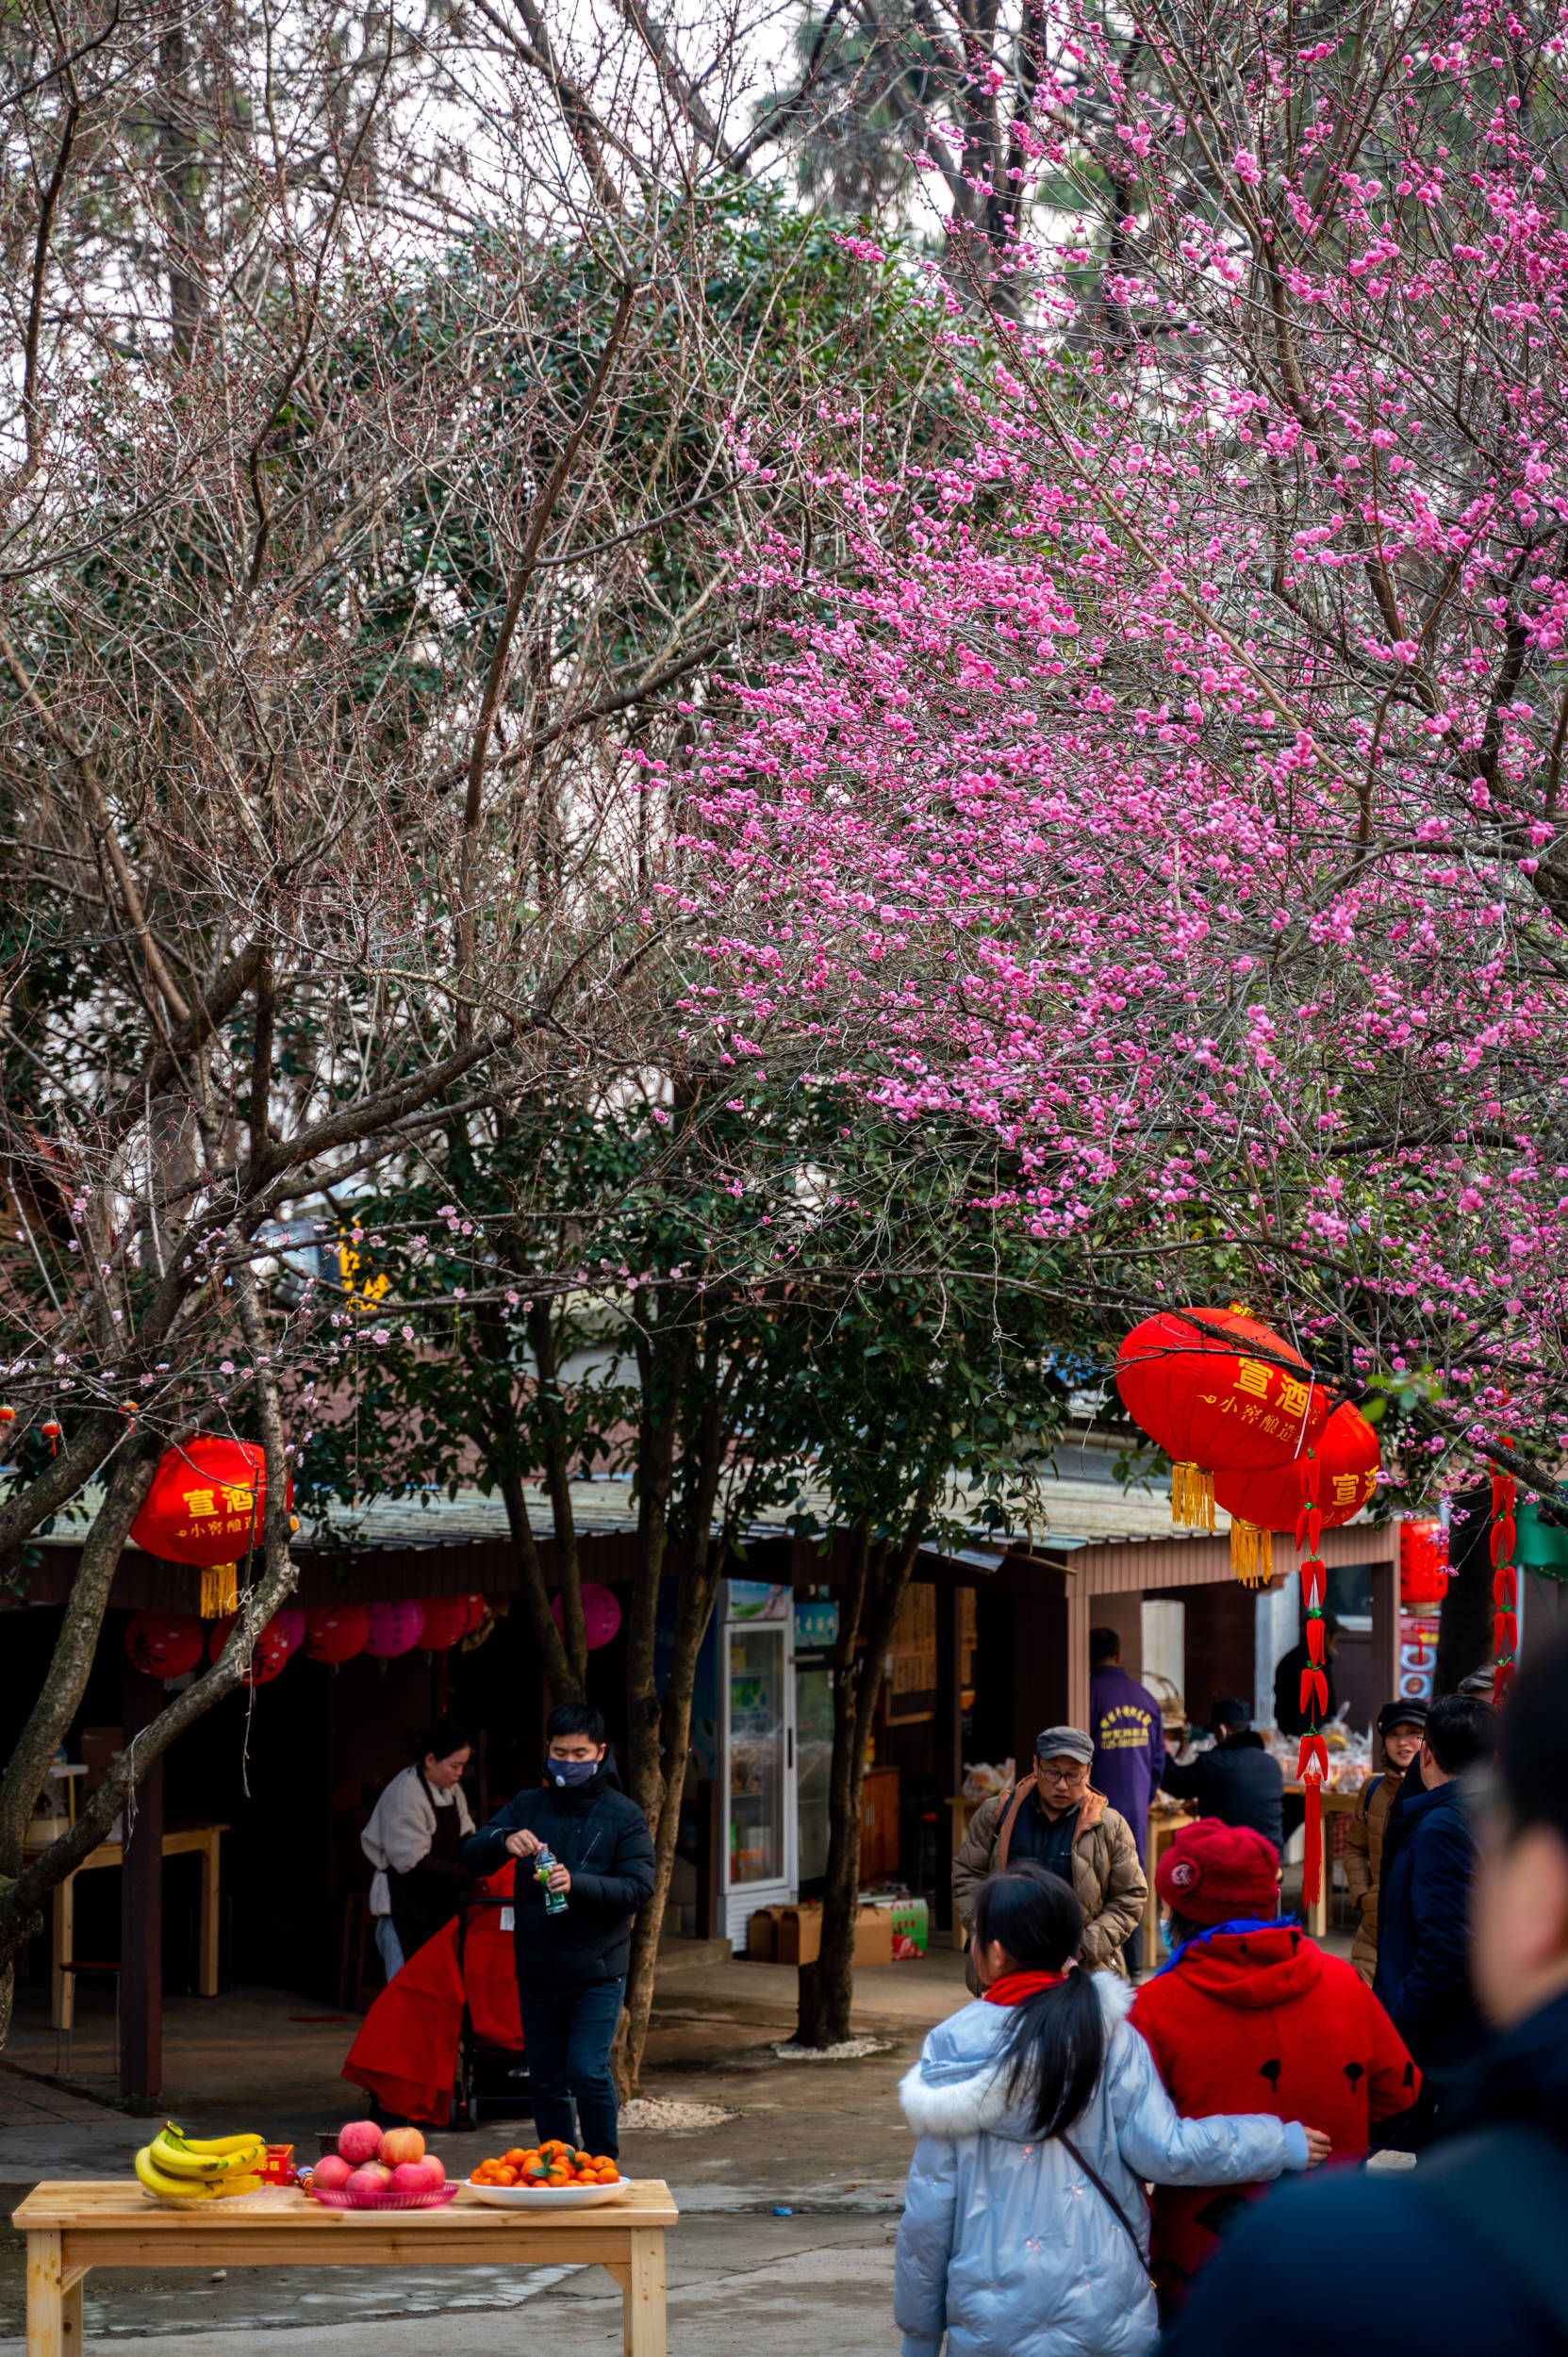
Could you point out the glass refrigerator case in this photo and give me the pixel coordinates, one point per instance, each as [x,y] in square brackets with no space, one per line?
[760,1743]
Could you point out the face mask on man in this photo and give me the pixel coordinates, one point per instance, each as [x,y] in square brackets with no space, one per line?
[570,1771]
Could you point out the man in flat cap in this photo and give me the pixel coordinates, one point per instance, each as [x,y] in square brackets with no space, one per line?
[1057,1819]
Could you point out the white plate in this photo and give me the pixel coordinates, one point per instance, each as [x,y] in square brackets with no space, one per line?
[545,2196]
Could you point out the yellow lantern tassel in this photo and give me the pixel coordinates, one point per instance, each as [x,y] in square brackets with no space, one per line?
[1252,1554]
[1192,1497]
[220,1591]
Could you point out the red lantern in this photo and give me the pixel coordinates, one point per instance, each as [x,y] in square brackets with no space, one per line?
[446,1618]
[164,1644]
[1422,1562]
[1275,1497]
[206,1506]
[601,1613]
[394,1629]
[475,1605]
[1214,1408]
[336,1634]
[269,1655]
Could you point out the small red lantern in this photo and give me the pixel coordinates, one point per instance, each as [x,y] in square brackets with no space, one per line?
[601,1613]
[51,1432]
[164,1644]
[394,1629]
[336,1633]
[269,1655]
[206,1506]
[1275,1497]
[446,1618]
[8,1415]
[1422,1562]
[1212,1407]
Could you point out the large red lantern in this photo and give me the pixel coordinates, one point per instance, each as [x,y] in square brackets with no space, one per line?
[1273,1497]
[336,1633]
[269,1655]
[164,1644]
[1422,1562]
[206,1505]
[446,1618]
[1211,1406]
[601,1613]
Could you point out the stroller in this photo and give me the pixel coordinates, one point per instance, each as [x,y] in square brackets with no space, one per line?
[491,2074]
[443,2042]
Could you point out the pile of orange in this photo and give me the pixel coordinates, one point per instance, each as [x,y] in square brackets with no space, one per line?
[552,2164]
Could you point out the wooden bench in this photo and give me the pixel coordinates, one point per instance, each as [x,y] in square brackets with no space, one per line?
[88,2223]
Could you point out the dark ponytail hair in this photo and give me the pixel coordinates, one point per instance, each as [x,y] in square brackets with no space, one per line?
[1056,2044]
[439,1741]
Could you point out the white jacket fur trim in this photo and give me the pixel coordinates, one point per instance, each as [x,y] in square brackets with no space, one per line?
[969,2106]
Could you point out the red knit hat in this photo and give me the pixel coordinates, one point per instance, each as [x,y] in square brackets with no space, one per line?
[1213,1872]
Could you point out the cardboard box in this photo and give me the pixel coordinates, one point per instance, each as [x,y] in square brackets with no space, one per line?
[910,1921]
[873,1937]
[797,1934]
[762,1936]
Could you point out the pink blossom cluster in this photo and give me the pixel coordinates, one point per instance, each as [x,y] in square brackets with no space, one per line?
[1168,780]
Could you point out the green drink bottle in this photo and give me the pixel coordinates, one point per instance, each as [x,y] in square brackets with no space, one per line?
[554,1900]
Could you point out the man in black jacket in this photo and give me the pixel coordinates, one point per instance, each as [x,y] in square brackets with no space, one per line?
[1238,1782]
[571,1962]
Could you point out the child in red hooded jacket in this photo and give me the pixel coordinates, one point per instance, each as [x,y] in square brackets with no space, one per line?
[1250,2014]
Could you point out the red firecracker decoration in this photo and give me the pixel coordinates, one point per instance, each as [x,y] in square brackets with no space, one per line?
[1275,1498]
[269,1655]
[446,1618]
[206,1506]
[336,1633]
[1214,1408]
[164,1644]
[1311,1762]
[1504,1581]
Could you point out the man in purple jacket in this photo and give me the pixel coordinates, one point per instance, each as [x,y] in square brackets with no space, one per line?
[1129,1740]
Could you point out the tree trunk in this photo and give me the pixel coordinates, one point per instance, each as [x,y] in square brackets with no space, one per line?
[698,1590]
[879,1581]
[1464,1624]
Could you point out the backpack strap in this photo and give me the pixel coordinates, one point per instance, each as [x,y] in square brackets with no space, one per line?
[1107,2196]
[1508,2188]
[1004,1839]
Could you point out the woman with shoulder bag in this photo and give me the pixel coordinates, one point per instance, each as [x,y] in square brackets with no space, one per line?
[1040,2115]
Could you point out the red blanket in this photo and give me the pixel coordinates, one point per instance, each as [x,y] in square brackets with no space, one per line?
[406,2054]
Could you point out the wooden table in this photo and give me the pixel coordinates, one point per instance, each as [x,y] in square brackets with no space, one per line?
[1335,1803]
[178,1842]
[89,2223]
[1163,1826]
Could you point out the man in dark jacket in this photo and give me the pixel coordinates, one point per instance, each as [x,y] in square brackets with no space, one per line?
[1238,1782]
[1466,2250]
[1422,1973]
[1129,1735]
[571,1962]
[1289,1717]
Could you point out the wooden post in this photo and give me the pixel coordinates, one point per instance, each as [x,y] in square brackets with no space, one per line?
[141,1908]
[949,1739]
[1385,1634]
[643,2306]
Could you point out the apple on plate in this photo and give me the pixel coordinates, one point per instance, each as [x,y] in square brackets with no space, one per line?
[399,2145]
[367,2180]
[435,2168]
[360,2140]
[413,2176]
[331,2173]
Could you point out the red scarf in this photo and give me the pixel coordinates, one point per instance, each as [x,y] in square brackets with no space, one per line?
[1017,1989]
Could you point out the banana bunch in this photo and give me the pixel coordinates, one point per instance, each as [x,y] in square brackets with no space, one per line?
[177,2168]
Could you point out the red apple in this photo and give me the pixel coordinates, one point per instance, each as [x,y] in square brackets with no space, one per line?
[367,2179]
[331,2174]
[411,2176]
[401,2144]
[359,2140]
[435,2168]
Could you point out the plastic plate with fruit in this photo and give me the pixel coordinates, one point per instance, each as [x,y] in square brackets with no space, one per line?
[380,2169]
[548,2176]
